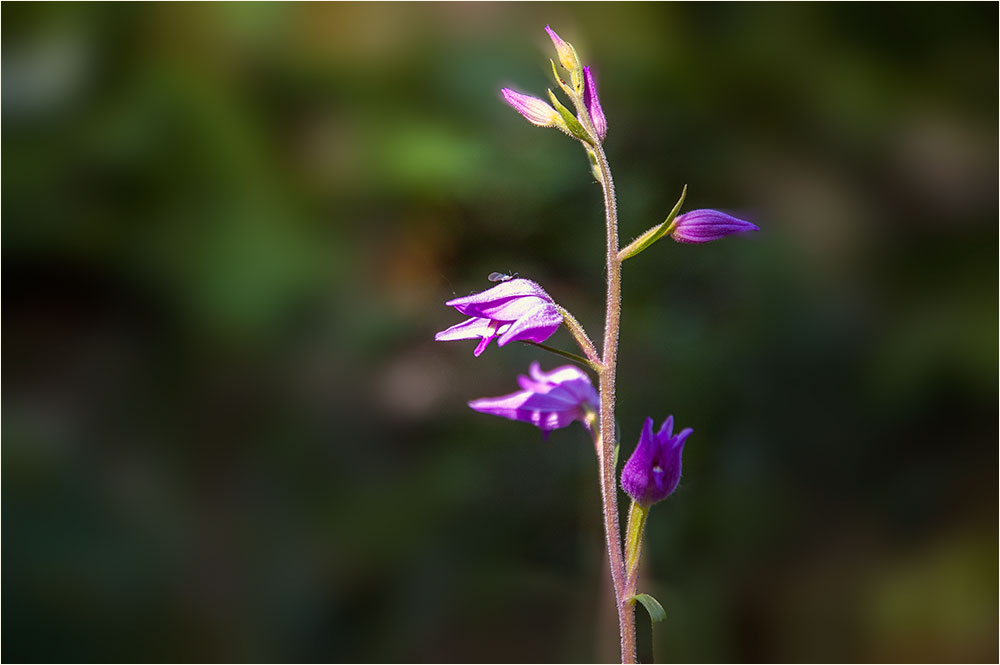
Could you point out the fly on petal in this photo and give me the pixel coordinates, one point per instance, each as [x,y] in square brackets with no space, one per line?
[515,309]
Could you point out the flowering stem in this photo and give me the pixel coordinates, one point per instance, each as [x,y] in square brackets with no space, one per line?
[580,335]
[609,484]
[609,366]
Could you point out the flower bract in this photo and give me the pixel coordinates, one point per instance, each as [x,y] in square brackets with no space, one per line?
[517,309]
[548,400]
[652,472]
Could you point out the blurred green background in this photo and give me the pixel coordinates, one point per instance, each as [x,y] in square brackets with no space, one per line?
[229,231]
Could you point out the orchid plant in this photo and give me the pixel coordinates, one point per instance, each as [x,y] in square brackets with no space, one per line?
[518,309]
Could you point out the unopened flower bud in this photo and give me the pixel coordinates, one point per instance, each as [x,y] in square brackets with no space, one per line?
[593,104]
[700,226]
[567,54]
[535,111]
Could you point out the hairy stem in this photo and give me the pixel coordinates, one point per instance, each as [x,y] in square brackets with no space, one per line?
[609,366]
[609,481]
[580,335]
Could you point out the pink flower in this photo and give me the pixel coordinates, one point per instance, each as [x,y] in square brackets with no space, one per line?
[517,309]
[653,471]
[548,400]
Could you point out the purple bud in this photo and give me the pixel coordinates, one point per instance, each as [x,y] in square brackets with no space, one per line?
[653,471]
[565,50]
[700,226]
[536,111]
[593,104]
[517,309]
[548,400]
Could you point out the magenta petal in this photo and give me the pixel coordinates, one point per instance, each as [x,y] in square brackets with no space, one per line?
[568,379]
[583,392]
[667,430]
[548,404]
[536,326]
[468,329]
[682,437]
[509,309]
[483,343]
[475,304]
[524,400]
[557,376]
[653,471]
[516,309]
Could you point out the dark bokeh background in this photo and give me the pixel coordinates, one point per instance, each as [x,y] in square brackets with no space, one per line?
[228,232]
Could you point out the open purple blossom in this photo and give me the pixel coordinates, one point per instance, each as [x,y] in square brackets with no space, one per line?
[548,400]
[593,104]
[700,226]
[517,309]
[535,111]
[654,469]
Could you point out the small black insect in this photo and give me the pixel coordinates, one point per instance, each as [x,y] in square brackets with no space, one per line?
[500,277]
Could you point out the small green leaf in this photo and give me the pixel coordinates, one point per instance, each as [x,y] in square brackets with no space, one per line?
[573,126]
[655,233]
[653,607]
[614,458]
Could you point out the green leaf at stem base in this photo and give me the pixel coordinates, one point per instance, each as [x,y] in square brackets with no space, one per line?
[653,607]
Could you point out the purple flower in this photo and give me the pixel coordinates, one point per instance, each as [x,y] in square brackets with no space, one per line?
[533,109]
[653,471]
[593,104]
[549,400]
[700,226]
[517,309]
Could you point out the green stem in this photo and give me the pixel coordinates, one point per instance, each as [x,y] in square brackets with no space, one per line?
[580,360]
[609,366]
[633,544]
[580,335]
[609,481]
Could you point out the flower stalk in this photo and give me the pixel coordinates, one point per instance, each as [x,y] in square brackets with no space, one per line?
[519,309]
[581,337]
[608,373]
[609,482]
[637,514]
